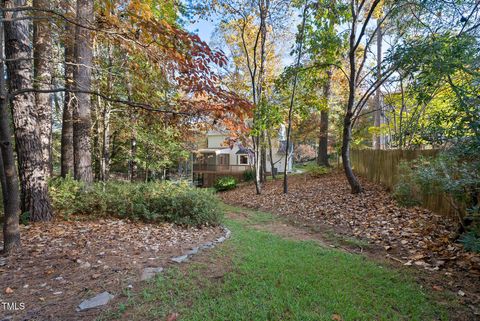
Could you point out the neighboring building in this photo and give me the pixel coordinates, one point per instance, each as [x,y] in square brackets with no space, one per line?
[221,157]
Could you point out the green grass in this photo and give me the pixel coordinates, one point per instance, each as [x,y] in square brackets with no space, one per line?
[270,278]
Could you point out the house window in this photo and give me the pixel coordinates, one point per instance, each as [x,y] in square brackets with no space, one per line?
[243,160]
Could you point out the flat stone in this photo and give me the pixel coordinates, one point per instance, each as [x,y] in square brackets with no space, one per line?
[180,259]
[221,239]
[227,233]
[207,245]
[150,272]
[193,251]
[95,302]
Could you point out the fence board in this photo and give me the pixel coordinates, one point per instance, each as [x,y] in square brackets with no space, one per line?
[381,167]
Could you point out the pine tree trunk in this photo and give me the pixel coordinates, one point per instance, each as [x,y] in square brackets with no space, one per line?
[83,78]
[33,175]
[322,158]
[8,173]
[66,157]
[42,55]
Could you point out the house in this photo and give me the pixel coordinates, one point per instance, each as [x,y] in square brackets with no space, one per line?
[222,157]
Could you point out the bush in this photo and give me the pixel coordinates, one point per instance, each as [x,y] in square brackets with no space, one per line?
[455,173]
[225,183]
[64,193]
[249,175]
[470,241]
[149,202]
[316,171]
[404,190]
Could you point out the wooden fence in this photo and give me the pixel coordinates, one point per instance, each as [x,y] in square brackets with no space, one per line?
[381,166]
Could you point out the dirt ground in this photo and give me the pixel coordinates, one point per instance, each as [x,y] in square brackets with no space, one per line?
[63,263]
[324,210]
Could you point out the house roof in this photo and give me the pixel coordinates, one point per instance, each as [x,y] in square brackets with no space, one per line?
[243,151]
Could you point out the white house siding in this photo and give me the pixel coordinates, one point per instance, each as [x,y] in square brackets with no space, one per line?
[216,141]
[279,163]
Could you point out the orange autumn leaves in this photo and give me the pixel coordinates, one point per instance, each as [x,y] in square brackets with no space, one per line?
[188,63]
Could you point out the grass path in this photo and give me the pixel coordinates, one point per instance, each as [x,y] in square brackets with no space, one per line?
[258,275]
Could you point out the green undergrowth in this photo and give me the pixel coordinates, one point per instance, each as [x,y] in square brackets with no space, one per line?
[265,277]
[179,203]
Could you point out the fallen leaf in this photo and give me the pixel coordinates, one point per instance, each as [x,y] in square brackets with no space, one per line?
[8,291]
[336,317]
[172,317]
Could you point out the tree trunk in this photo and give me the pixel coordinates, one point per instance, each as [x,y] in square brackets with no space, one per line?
[132,164]
[33,175]
[42,57]
[292,99]
[105,152]
[322,158]
[272,164]
[83,78]
[377,139]
[8,173]
[106,113]
[66,157]
[347,120]
[257,151]
[347,136]
[263,164]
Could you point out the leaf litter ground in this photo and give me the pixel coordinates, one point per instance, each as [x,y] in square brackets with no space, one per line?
[409,236]
[64,262]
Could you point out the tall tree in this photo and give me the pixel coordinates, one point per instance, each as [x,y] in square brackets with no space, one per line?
[377,141]
[324,48]
[322,157]
[359,47]
[66,154]
[42,57]
[299,49]
[33,174]
[8,173]
[82,80]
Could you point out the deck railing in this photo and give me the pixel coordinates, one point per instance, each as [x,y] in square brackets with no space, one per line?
[220,168]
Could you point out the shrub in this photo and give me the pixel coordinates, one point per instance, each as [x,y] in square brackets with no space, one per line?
[316,171]
[454,173]
[249,175]
[150,202]
[403,191]
[64,193]
[225,183]
[470,241]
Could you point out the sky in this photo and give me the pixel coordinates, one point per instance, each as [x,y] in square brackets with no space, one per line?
[203,28]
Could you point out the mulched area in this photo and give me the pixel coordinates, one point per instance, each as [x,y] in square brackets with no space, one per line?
[410,236]
[64,262]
